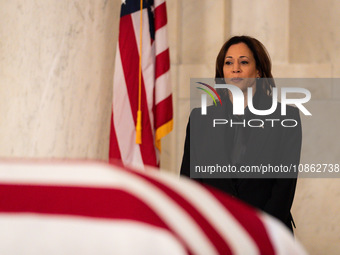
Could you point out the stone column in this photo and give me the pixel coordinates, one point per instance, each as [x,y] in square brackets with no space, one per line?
[56,68]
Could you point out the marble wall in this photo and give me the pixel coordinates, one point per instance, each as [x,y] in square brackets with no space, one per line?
[56,68]
[303,41]
[56,62]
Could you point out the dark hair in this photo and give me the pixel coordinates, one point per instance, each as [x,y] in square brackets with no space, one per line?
[261,56]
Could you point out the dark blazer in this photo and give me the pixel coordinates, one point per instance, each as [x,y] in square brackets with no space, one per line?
[205,144]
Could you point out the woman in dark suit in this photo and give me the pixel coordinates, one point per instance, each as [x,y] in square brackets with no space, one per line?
[244,62]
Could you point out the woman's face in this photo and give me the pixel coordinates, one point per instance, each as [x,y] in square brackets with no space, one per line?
[239,67]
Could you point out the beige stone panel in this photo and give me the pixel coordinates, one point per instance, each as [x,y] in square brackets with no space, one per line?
[316,213]
[320,89]
[336,88]
[268,21]
[173,29]
[202,30]
[315,210]
[56,77]
[336,70]
[335,37]
[186,72]
[174,82]
[309,76]
[312,30]
[168,154]
[302,70]
[183,117]
[321,141]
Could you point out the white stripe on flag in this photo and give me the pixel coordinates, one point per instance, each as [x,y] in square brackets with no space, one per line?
[158,2]
[278,236]
[161,39]
[162,87]
[81,235]
[122,118]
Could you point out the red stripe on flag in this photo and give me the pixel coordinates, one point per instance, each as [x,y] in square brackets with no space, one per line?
[130,62]
[104,203]
[211,233]
[160,16]
[163,112]
[249,221]
[114,151]
[80,201]
[162,63]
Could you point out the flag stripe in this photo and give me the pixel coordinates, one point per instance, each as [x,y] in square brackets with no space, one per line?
[130,61]
[251,223]
[69,235]
[162,63]
[158,2]
[163,112]
[162,91]
[160,16]
[79,201]
[179,221]
[206,202]
[90,202]
[123,120]
[161,41]
[211,234]
[130,58]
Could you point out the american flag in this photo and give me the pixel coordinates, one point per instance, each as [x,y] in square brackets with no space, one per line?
[155,94]
[88,207]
